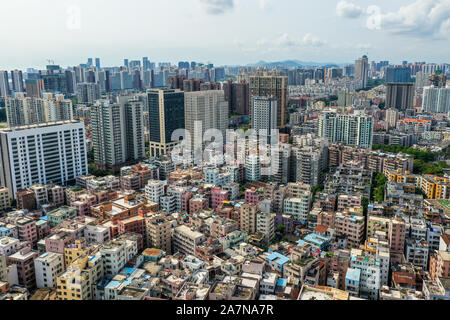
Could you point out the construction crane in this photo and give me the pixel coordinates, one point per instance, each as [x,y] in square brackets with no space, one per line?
[50,62]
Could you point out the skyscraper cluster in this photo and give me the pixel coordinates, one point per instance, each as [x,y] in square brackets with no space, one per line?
[349,201]
[23,110]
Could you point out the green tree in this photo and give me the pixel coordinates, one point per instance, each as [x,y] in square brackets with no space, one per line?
[379,194]
[423,160]
[281,228]
[96,172]
[315,190]
[3,115]
[365,205]
[380,179]
[378,187]
[90,156]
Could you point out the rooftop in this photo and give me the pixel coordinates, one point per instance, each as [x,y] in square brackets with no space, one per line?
[152,252]
[445,283]
[133,292]
[353,274]
[404,278]
[322,293]
[242,293]
[40,125]
[23,255]
[315,239]
[191,233]
[278,258]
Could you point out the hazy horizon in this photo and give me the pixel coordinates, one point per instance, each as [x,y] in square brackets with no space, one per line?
[223,32]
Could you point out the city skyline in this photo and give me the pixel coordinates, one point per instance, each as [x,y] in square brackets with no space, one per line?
[246,152]
[332,31]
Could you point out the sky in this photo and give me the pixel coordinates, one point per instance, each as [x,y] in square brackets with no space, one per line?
[223,32]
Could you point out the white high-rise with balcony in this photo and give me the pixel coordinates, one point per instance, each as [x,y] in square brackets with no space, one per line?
[208,107]
[436,100]
[39,154]
[154,190]
[48,267]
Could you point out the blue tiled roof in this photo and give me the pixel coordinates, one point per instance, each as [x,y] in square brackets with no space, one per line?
[353,274]
[103,282]
[127,270]
[279,257]
[113,284]
[316,239]
[282,282]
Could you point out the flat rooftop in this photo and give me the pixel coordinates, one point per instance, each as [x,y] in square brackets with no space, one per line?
[186,230]
[136,293]
[40,125]
[353,274]
[322,293]
[19,256]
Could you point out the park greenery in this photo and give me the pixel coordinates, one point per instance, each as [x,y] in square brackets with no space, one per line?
[425,162]
[328,99]
[98,173]
[378,186]
[372,83]
[315,190]
[365,204]
[93,169]
[281,228]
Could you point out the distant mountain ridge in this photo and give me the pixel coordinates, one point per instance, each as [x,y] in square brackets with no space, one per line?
[295,64]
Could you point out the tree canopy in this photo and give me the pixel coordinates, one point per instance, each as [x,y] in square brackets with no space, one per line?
[424,161]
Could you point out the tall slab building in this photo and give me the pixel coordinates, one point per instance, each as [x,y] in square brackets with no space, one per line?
[209,108]
[362,70]
[266,83]
[166,114]
[117,133]
[43,153]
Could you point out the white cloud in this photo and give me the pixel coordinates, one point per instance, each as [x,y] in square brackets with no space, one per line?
[364,46]
[346,9]
[282,42]
[311,40]
[445,27]
[262,42]
[216,7]
[420,18]
[264,4]
[286,41]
